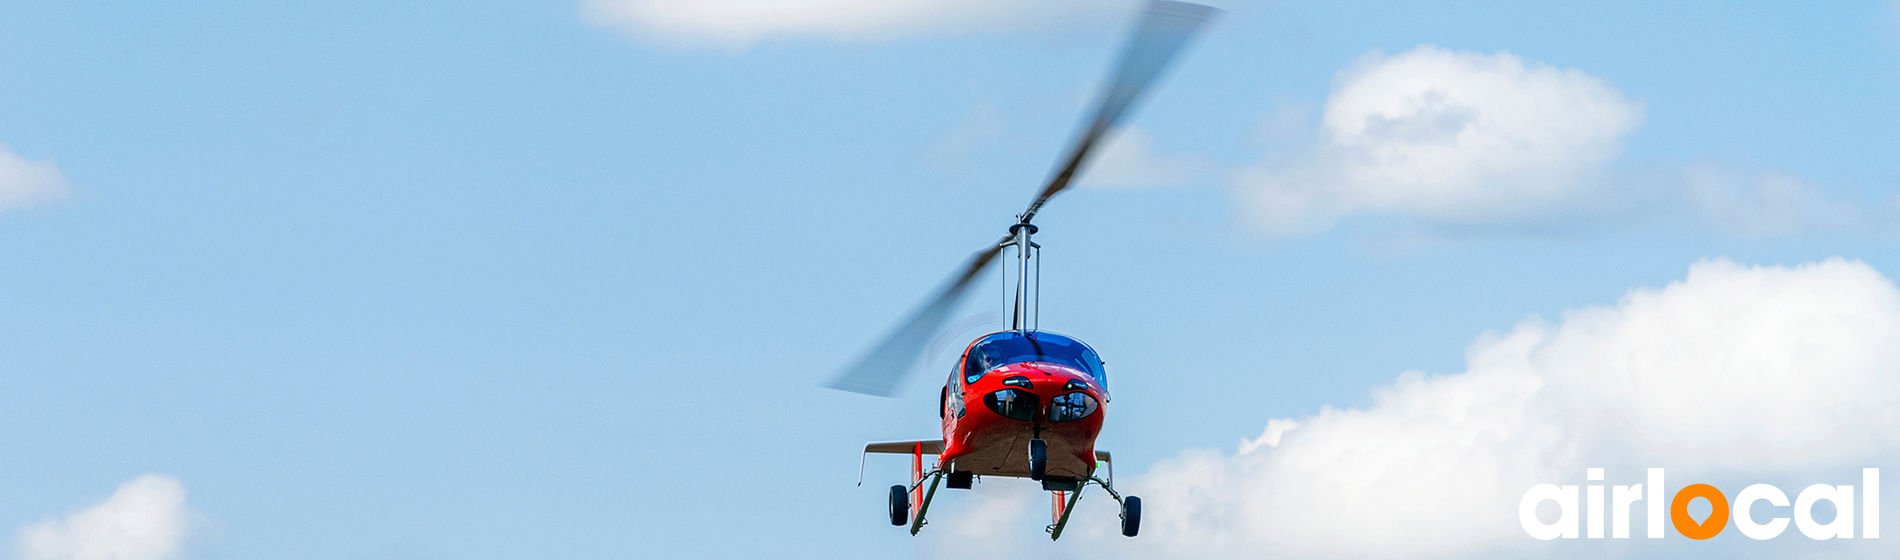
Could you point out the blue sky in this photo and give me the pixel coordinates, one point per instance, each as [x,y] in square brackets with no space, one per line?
[519,279]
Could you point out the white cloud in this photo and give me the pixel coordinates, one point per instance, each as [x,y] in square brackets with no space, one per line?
[1130,160]
[1444,135]
[25,183]
[1471,142]
[740,23]
[1761,371]
[1270,437]
[1732,376]
[146,519]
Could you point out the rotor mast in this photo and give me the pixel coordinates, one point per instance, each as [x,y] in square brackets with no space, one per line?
[1021,305]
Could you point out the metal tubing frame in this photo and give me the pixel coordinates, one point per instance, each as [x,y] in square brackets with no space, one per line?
[1023,253]
[1002,283]
[1119,504]
[1055,530]
[1022,309]
[1035,314]
[917,521]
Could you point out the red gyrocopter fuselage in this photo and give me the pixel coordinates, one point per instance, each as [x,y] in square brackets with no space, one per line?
[1012,387]
[1019,404]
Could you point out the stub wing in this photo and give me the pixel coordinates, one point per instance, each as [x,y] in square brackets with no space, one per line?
[926,446]
[931,447]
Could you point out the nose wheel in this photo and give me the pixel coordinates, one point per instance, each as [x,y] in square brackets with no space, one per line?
[1038,458]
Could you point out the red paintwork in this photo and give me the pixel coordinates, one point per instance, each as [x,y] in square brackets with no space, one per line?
[916,476]
[990,444]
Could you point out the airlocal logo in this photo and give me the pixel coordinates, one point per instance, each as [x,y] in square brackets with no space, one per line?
[1621,498]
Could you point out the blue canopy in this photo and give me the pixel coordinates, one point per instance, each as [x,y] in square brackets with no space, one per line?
[1014,347]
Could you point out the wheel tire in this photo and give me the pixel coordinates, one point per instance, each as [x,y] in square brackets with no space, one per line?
[900,505]
[1131,516]
[1038,458]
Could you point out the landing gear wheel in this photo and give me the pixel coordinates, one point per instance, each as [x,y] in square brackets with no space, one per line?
[1131,516]
[900,505]
[1038,458]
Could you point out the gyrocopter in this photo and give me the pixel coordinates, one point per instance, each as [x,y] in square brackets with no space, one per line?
[1023,402]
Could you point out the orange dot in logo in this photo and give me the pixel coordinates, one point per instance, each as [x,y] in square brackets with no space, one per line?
[1710,526]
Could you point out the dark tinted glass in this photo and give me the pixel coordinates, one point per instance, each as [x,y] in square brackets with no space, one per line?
[1071,406]
[1013,403]
[1004,348]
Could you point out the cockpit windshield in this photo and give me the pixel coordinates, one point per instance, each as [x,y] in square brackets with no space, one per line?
[1010,347]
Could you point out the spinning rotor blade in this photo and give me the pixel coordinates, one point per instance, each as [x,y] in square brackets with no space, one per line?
[880,372]
[1164,29]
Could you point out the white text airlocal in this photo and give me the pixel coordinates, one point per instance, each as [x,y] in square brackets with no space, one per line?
[1622,497]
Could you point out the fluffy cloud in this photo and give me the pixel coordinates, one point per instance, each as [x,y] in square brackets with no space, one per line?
[25,183]
[146,519]
[1463,141]
[1757,371]
[1734,375]
[740,23]
[1445,135]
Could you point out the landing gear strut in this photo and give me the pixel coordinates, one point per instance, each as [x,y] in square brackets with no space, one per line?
[1131,516]
[1130,506]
